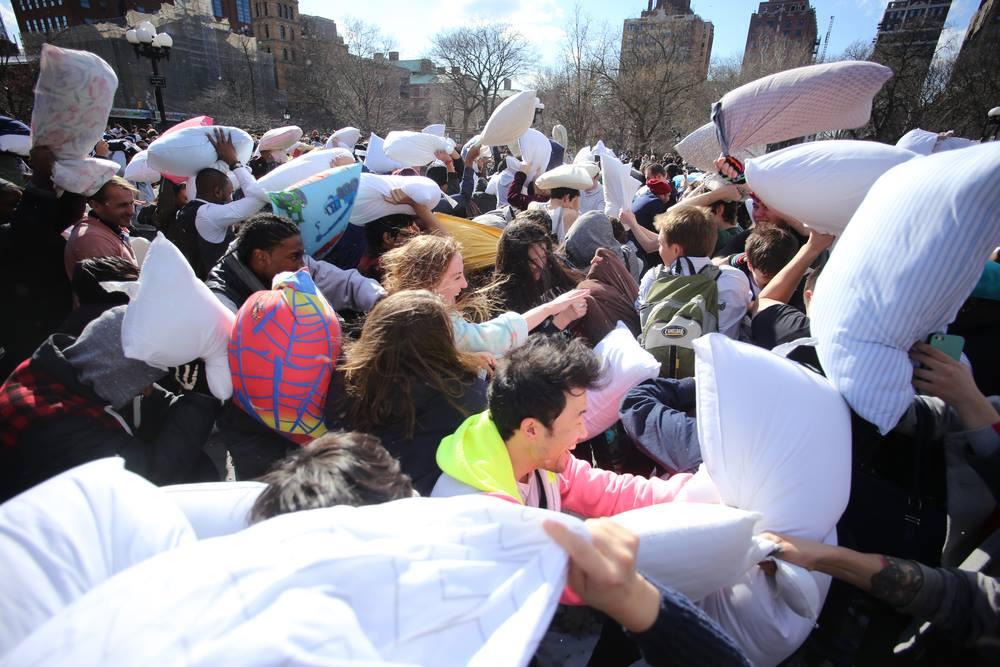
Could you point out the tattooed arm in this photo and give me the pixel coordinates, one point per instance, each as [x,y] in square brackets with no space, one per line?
[966,605]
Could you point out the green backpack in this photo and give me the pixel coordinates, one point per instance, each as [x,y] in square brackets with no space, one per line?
[677,309]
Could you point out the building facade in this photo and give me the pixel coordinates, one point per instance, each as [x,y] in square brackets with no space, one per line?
[277,26]
[913,27]
[982,39]
[51,16]
[669,26]
[783,31]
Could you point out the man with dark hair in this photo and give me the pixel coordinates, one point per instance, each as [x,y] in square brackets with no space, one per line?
[203,228]
[268,244]
[335,469]
[104,233]
[520,449]
[768,251]
[92,297]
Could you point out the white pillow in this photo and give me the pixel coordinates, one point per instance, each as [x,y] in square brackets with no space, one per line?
[83,176]
[624,364]
[73,97]
[821,183]
[375,158]
[413,149]
[701,148]
[510,119]
[298,169]
[139,171]
[215,508]
[188,151]
[535,152]
[906,263]
[140,246]
[437,129]
[63,537]
[694,548]
[925,143]
[619,185]
[785,454]
[560,135]
[173,318]
[279,138]
[370,203]
[421,581]
[798,102]
[584,155]
[345,137]
[567,176]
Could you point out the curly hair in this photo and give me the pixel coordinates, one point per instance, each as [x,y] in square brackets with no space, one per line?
[420,264]
[407,340]
[515,287]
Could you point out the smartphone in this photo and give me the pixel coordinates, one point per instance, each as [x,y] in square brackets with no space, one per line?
[950,345]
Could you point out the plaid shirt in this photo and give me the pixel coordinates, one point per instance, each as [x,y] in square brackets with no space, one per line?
[30,394]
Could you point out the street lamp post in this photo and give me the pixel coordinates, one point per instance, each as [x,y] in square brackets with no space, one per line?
[155,46]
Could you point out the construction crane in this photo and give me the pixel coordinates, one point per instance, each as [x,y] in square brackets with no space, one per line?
[826,40]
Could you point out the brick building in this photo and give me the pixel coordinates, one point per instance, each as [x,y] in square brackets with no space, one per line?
[277,25]
[783,30]
[671,24]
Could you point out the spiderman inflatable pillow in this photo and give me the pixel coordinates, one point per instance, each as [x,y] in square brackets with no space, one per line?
[281,355]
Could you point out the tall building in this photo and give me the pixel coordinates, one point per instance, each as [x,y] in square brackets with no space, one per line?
[982,36]
[911,29]
[48,16]
[669,27]
[781,30]
[275,25]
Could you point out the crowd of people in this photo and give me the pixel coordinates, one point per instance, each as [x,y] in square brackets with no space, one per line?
[454,381]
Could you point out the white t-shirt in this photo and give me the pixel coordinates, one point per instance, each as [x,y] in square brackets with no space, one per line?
[734,293]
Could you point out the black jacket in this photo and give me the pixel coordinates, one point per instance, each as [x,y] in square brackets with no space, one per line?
[233,279]
[165,449]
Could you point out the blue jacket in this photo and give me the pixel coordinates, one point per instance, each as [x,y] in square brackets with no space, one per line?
[654,415]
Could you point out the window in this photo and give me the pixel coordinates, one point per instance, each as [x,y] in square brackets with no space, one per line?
[282,28]
[293,55]
[267,31]
[243,11]
[217,8]
[291,33]
[284,54]
[265,9]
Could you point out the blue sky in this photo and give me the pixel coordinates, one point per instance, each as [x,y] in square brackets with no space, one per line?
[411,22]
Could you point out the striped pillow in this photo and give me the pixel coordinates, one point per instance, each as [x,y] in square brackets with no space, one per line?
[906,263]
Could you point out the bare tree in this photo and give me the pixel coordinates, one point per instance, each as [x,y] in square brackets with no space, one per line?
[573,90]
[357,85]
[486,55]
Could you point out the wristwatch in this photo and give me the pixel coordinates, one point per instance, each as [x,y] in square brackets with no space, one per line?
[236,165]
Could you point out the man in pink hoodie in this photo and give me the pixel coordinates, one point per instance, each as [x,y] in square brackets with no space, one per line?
[520,448]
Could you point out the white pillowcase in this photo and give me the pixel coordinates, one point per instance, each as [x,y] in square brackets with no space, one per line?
[279,138]
[822,183]
[375,158]
[535,152]
[370,203]
[908,260]
[188,151]
[701,148]
[510,119]
[624,364]
[173,318]
[63,537]
[139,171]
[215,508]
[299,169]
[413,149]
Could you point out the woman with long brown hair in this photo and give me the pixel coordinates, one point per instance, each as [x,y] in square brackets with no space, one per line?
[434,263]
[406,382]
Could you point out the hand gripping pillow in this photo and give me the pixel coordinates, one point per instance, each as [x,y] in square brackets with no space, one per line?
[906,263]
[63,537]
[284,345]
[321,206]
[413,149]
[535,152]
[373,189]
[215,508]
[73,97]
[139,171]
[821,183]
[173,318]
[279,139]
[925,143]
[375,158]
[510,120]
[197,121]
[345,137]
[694,548]
[786,454]
[798,102]
[624,364]
[188,151]
[701,148]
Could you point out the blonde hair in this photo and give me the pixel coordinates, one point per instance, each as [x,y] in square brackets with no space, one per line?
[114,182]
[421,263]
